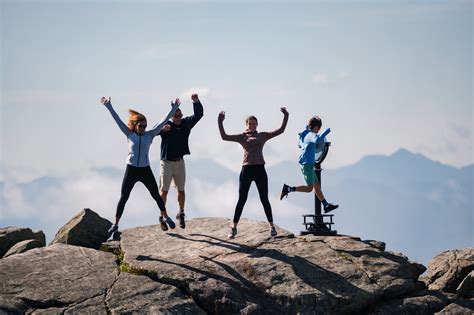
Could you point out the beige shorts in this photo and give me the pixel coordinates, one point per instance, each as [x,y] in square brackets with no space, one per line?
[171,170]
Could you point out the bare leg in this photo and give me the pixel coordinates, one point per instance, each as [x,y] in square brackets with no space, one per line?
[305,189]
[318,192]
[164,195]
[181,198]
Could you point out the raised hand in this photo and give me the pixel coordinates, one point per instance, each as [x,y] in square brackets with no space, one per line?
[104,100]
[195,98]
[284,111]
[176,101]
[221,116]
[166,128]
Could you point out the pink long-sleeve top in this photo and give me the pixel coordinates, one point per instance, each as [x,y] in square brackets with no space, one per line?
[253,142]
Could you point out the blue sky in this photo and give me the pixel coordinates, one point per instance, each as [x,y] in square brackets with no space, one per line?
[383,75]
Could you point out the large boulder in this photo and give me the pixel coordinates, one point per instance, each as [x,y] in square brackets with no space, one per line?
[466,288]
[9,236]
[63,279]
[139,294]
[24,246]
[424,302]
[255,273]
[448,269]
[86,229]
[459,307]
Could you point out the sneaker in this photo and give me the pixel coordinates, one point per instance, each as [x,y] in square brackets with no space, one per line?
[284,191]
[233,233]
[113,229]
[170,223]
[180,218]
[273,232]
[163,225]
[329,207]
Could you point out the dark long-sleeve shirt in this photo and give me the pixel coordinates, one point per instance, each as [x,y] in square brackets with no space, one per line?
[252,142]
[174,144]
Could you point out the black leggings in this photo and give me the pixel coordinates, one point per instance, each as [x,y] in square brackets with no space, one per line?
[248,174]
[138,174]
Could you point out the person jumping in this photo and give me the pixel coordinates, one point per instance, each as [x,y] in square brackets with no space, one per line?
[308,139]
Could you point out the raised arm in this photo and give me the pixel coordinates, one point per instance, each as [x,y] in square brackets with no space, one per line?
[280,130]
[157,128]
[320,138]
[225,136]
[198,111]
[116,117]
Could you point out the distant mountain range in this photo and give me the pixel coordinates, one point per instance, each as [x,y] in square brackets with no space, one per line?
[417,206]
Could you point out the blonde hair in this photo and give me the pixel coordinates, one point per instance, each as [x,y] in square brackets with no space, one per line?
[134,118]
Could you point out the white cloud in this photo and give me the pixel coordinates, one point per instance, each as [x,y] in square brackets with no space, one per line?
[464,132]
[325,78]
[320,78]
[48,203]
[203,92]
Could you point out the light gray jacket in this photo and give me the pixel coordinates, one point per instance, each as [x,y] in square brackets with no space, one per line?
[139,145]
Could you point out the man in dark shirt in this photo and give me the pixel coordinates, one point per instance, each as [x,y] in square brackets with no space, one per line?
[174,146]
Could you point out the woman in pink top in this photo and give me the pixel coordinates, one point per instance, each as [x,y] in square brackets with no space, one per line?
[253,166]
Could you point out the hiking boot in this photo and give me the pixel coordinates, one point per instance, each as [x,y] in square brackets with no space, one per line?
[163,225]
[273,232]
[329,207]
[170,222]
[233,233]
[113,229]
[284,191]
[180,218]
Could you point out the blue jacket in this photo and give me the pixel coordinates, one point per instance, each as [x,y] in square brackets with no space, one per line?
[307,143]
[139,145]
[174,143]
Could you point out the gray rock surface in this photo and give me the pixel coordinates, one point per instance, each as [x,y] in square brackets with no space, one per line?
[24,246]
[425,302]
[377,244]
[148,297]
[71,279]
[448,269]
[255,273]
[198,270]
[459,307]
[466,288]
[9,236]
[57,276]
[86,229]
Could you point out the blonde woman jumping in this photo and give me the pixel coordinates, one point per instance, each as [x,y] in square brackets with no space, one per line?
[138,164]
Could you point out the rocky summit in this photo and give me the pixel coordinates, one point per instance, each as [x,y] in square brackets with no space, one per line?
[198,270]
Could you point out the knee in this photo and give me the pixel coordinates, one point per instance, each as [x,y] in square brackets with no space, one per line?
[181,193]
[243,197]
[164,193]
